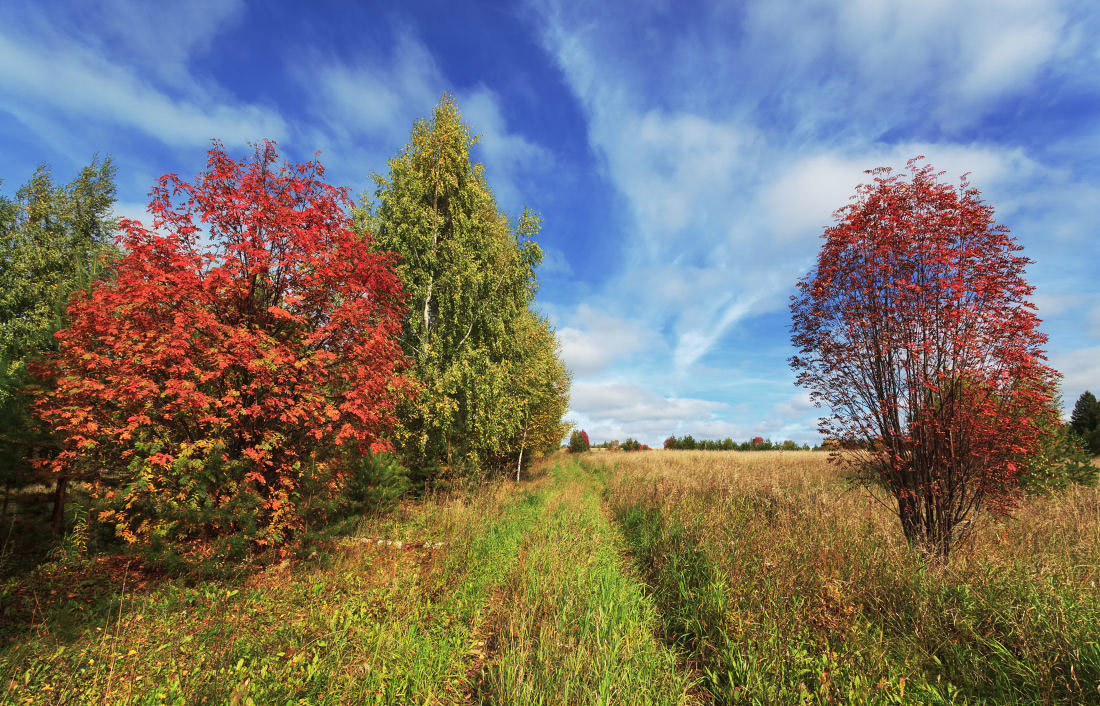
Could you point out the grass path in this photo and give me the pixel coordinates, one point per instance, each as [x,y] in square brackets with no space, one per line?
[525,601]
[572,627]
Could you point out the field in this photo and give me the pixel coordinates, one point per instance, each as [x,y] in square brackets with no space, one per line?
[649,577]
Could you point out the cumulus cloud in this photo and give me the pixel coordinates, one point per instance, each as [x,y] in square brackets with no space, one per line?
[614,410]
[595,340]
[630,402]
[1081,371]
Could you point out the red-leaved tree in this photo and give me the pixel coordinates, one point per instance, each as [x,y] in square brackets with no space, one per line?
[916,330]
[246,346]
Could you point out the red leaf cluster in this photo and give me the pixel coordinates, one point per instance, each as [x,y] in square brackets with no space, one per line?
[247,338]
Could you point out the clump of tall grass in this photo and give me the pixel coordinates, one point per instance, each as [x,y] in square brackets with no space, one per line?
[785,583]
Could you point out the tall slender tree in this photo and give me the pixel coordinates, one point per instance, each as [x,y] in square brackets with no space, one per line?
[540,391]
[470,276]
[55,239]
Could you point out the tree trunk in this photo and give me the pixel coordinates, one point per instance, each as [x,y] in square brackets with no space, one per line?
[522,443]
[909,514]
[59,505]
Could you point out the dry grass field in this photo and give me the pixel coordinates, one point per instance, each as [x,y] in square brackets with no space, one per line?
[784,583]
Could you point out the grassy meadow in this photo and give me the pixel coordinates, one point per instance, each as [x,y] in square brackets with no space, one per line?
[637,578]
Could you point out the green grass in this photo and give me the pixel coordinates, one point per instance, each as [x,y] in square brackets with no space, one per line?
[525,601]
[370,624]
[572,626]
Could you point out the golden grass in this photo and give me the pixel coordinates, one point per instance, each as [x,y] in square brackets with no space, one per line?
[785,546]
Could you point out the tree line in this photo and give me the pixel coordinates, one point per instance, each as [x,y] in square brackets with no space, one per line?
[263,355]
[757,443]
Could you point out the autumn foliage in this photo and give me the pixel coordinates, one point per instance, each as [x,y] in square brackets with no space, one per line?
[246,347]
[915,328]
[578,442]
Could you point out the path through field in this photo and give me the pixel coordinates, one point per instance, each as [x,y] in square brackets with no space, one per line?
[663,578]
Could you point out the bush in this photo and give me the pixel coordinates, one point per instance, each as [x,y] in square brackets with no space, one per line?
[1062,461]
[578,442]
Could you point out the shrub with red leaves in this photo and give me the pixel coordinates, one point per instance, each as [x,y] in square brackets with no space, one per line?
[246,344]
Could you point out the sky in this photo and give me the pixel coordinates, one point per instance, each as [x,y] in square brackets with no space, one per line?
[685,157]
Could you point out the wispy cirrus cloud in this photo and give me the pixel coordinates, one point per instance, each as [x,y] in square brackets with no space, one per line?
[371,103]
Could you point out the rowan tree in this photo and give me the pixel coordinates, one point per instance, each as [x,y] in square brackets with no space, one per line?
[578,442]
[470,275]
[915,328]
[247,343]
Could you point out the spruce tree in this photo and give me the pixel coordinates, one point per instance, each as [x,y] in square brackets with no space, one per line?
[1085,420]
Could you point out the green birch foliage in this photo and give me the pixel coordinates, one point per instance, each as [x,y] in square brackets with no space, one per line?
[470,276]
[54,239]
[541,390]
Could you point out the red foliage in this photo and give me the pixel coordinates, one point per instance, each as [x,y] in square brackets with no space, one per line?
[249,338]
[757,440]
[916,330]
[670,442]
[584,435]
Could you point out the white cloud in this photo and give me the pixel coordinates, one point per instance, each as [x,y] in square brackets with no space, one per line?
[630,402]
[948,58]
[596,340]
[377,99]
[161,37]
[60,74]
[554,263]
[796,406]
[1054,304]
[615,410]
[1094,320]
[731,155]
[381,99]
[1081,371]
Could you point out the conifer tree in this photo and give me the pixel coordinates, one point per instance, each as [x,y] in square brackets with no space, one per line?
[1085,420]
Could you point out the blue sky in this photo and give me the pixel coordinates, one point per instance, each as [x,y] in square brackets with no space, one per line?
[685,156]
